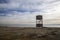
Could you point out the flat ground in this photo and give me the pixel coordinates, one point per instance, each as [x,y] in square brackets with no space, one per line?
[16,33]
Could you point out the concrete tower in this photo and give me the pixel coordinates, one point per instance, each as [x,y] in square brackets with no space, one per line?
[39,21]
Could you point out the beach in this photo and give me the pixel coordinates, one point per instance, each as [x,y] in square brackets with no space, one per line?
[29,33]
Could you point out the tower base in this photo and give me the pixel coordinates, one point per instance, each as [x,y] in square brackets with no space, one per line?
[39,25]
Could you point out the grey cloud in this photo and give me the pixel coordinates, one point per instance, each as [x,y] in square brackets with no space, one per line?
[3,1]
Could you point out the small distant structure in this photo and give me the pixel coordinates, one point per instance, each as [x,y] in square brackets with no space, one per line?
[39,21]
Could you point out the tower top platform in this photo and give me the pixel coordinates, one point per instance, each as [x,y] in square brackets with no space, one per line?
[38,17]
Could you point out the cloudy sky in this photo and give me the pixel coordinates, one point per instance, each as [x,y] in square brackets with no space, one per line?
[25,11]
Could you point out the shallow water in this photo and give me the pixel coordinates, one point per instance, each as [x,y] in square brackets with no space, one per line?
[29,25]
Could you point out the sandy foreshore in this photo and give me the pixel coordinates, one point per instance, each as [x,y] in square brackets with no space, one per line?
[17,33]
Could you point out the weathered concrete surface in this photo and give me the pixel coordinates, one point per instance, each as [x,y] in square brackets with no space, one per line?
[29,33]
